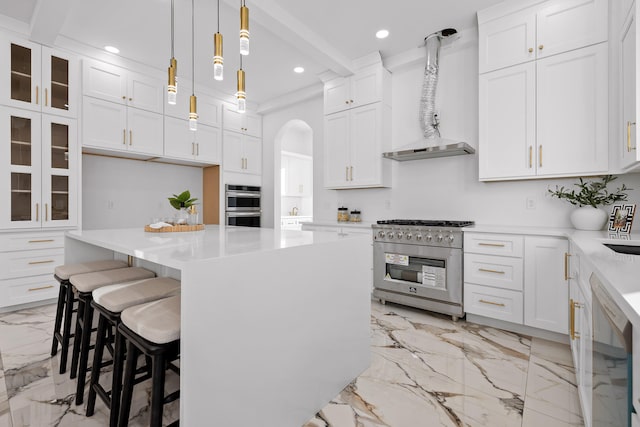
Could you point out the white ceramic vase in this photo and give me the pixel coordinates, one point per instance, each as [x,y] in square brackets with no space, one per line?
[588,218]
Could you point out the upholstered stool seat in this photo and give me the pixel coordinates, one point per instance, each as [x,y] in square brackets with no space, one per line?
[84,285]
[152,329]
[109,301]
[64,310]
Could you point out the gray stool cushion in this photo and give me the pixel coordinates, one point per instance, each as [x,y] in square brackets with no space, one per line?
[67,270]
[89,282]
[116,298]
[157,321]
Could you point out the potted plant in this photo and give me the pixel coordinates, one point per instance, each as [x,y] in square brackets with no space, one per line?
[589,197]
[181,203]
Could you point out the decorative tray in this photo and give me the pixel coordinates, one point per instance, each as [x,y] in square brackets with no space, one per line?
[174,228]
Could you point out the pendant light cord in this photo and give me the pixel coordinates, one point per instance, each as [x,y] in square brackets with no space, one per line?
[172,55]
[193,60]
[218,15]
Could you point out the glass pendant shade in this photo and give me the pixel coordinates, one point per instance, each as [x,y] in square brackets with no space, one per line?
[241,95]
[193,114]
[244,30]
[217,57]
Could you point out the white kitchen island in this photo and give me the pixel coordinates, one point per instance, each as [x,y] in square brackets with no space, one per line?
[274,324]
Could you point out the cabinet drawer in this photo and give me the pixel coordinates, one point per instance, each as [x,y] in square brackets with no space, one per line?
[23,242]
[28,289]
[495,303]
[494,244]
[501,272]
[30,263]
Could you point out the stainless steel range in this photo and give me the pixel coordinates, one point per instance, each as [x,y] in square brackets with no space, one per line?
[419,264]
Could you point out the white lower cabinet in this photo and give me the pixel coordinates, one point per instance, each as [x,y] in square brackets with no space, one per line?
[27,263]
[518,279]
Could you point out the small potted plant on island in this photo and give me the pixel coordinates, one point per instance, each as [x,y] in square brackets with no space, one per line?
[182,202]
[590,196]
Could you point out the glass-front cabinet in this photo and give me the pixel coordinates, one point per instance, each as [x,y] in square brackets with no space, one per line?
[38,78]
[39,163]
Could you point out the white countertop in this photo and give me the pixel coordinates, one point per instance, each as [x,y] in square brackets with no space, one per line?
[620,273]
[178,248]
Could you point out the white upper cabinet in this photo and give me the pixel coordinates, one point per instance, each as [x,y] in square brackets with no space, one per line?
[115,84]
[38,78]
[540,31]
[365,87]
[209,108]
[626,146]
[247,123]
[202,146]
[242,153]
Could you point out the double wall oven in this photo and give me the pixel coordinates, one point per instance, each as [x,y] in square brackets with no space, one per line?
[419,263]
[242,205]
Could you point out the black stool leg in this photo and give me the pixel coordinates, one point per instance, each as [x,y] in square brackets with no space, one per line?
[129,381]
[66,331]
[75,355]
[157,390]
[62,294]
[103,323]
[116,381]
[87,320]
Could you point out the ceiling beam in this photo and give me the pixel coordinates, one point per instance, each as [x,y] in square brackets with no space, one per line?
[48,19]
[270,15]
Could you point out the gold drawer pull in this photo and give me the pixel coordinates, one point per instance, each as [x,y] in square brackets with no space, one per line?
[40,262]
[495,245]
[566,266]
[42,241]
[40,288]
[499,304]
[486,270]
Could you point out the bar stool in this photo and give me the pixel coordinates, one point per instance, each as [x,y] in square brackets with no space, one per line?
[152,329]
[84,285]
[109,301]
[66,300]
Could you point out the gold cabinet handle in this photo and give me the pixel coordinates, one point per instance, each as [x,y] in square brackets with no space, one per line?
[193,148]
[46,211]
[197,149]
[495,245]
[49,261]
[499,304]
[530,157]
[629,136]
[346,102]
[124,136]
[130,137]
[37,95]
[46,97]
[346,173]
[572,320]
[351,172]
[566,265]
[40,288]
[124,97]
[487,270]
[540,156]
[541,47]
[574,305]
[37,211]
[530,50]
[42,241]
[130,99]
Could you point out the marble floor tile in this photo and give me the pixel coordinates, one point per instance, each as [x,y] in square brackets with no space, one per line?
[426,370]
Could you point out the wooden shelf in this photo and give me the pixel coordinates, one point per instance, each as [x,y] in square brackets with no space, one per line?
[18,73]
[59,84]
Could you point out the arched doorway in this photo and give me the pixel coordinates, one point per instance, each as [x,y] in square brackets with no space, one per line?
[293,175]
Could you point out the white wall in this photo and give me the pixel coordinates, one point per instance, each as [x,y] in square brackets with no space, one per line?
[119,193]
[445,188]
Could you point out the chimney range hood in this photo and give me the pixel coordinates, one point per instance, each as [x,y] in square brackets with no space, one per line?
[432,145]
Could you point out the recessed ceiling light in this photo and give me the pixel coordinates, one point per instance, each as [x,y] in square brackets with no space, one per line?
[112,49]
[298,70]
[382,34]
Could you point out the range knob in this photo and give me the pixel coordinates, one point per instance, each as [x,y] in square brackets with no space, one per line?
[450,238]
[390,235]
[418,237]
[408,236]
[429,237]
[400,234]
[439,237]
[381,234]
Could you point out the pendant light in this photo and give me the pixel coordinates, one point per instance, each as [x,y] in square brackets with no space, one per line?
[241,96]
[217,51]
[244,28]
[172,86]
[193,112]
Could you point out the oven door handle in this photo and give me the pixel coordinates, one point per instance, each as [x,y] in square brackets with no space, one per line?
[243,214]
[242,194]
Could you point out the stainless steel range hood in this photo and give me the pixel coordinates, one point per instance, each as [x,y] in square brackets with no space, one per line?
[429,149]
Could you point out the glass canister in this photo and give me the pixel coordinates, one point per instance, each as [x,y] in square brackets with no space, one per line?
[343,214]
[355,216]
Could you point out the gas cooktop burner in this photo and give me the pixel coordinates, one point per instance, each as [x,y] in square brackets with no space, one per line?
[426,223]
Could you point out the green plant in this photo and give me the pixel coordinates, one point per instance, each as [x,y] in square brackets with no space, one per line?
[183,200]
[592,193]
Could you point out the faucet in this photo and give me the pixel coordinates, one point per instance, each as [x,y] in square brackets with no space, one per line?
[294,211]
